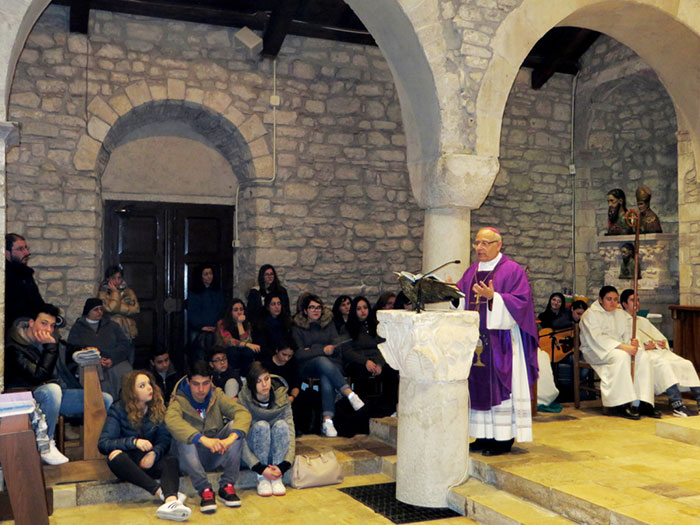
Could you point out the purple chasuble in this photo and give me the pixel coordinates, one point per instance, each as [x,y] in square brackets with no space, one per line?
[490,385]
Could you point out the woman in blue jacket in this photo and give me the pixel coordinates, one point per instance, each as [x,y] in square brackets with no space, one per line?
[136,443]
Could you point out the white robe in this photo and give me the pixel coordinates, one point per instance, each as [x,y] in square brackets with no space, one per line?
[669,368]
[513,417]
[547,390]
[601,334]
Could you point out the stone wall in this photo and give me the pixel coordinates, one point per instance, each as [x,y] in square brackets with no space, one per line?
[340,216]
[531,200]
[625,137]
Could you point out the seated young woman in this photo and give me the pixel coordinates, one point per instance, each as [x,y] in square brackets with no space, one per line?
[273,326]
[315,336]
[555,311]
[363,360]
[268,283]
[205,306]
[268,448]
[224,376]
[233,332]
[136,443]
[341,309]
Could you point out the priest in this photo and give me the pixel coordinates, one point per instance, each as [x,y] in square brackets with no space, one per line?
[505,361]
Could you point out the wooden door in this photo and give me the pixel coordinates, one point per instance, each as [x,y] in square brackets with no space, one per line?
[160,246]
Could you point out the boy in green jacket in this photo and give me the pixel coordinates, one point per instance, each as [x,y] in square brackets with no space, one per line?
[204,442]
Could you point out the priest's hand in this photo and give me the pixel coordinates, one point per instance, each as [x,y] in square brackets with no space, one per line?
[630,348]
[483,290]
[661,344]
[649,345]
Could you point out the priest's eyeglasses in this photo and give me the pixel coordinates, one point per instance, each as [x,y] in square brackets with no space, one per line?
[482,243]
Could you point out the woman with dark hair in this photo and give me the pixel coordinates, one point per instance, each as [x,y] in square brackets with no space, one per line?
[273,326]
[119,300]
[555,311]
[402,302]
[136,443]
[268,283]
[385,301]
[234,333]
[341,309]
[268,448]
[363,360]
[318,357]
[205,303]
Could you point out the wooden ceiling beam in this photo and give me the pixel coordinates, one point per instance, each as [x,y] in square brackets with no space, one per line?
[576,46]
[278,26]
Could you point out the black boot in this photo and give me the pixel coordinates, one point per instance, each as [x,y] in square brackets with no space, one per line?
[645,409]
[480,444]
[498,448]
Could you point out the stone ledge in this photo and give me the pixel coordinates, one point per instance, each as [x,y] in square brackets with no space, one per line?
[685,430]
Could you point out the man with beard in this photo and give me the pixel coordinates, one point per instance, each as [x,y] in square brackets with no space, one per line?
[22,296]
[617,207]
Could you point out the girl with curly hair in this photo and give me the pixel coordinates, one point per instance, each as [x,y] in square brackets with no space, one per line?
[136,443]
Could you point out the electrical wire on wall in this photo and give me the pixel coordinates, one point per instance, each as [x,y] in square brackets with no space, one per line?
[572,171]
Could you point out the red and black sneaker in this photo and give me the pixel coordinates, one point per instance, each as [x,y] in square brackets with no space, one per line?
[228,494]
[208,503]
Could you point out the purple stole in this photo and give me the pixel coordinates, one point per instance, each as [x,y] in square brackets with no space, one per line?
[490,385]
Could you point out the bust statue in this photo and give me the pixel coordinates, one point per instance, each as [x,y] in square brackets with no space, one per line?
[648,220]
[617,207]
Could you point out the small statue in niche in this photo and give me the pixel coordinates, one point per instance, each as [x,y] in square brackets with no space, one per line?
[648,220]
[617,207]
[627,264]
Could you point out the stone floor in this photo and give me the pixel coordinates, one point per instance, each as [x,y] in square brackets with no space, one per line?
[583,467]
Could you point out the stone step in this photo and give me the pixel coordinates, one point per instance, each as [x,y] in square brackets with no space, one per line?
[353,462]
[484,503]
[685,430]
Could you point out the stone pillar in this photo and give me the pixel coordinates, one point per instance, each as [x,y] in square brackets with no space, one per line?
[458,184]
[9,137]
[447,237]
[433,353]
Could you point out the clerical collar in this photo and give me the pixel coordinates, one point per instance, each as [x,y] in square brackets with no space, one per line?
[487,266]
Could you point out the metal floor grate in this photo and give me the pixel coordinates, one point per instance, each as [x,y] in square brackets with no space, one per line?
[381,498]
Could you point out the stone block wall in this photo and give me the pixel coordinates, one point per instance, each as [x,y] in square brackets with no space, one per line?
[625,137]
[531,200]
[340,216]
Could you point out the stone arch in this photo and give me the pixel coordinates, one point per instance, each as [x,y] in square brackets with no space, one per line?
[242,141]
[639,24]
[410,36]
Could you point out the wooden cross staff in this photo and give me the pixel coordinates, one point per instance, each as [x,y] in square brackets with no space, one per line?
[632,220]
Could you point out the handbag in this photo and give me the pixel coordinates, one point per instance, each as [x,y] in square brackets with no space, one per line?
[316,471]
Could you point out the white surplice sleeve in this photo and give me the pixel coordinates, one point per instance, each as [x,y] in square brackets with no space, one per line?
[498,317]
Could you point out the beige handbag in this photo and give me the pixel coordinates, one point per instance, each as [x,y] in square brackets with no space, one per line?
[316,471]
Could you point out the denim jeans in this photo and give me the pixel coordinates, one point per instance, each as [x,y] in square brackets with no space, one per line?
[332,379]
[196,460]
[269,444]
[54,401]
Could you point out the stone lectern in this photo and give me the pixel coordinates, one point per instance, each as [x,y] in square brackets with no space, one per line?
[433,353]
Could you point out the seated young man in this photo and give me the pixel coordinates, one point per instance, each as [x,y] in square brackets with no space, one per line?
[31,353]
[164,372]
[203,440]
[671,371]
[223,376]
[605,346]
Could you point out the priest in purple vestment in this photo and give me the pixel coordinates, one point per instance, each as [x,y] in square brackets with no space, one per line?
[505,360]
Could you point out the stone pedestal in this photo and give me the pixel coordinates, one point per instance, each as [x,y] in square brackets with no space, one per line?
[433,353]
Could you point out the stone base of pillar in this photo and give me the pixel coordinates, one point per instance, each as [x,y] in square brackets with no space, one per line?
[432,435]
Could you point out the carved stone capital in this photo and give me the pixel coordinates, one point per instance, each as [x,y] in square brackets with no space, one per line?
[9,134]
[430,346]
[455,180]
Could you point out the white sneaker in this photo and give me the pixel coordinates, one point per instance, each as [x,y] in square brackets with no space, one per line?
[278,488]
[264,488]
[355,401]
[53,456]
[180,496]
[173,511]
[328,428]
